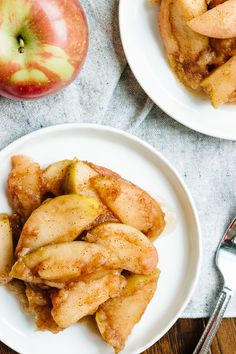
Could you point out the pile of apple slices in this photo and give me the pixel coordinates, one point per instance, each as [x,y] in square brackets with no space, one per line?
[78,244]
[200,41]
[219,23]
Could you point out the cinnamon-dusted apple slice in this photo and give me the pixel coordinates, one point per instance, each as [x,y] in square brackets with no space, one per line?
[6,249]
[135,251]
[221,84]
[77,179]
[78,175]
[132,205]
[117,317]
[24,185]
[188,52]
[53,177]
[219,22]
[60,219]
[82,298]
[64,262]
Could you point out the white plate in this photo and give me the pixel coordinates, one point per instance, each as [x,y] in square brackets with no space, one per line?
[179,252]
[146,57]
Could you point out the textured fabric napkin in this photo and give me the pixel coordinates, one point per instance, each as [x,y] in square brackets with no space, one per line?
[106,92]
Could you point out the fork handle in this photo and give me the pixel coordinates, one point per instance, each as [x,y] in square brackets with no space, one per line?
[214,322]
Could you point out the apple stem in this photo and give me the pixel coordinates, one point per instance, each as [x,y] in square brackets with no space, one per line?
[21,48]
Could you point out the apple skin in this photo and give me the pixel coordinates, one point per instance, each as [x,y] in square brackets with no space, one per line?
[43,45]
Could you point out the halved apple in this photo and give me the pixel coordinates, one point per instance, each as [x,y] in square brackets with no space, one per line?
[64,262]
[117,317]
[221,84]
[24,185]
[59,220]
[83,298]
[132,205]
[6,249]
[135,251]
[219,22]
[53,176]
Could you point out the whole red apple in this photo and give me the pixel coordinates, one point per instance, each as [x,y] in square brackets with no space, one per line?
[43,44]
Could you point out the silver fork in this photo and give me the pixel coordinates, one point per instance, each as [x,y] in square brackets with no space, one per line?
[225,260]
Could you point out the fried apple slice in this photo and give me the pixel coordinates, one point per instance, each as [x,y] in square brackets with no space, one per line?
[24,185]
[40,306]
[77,179]
[219,22]
[58,220]
[132,205]
[188,52]
[83,298]
[117,317]
[135,251]
[221,84]
[6,249]
[53,177]
[64,262]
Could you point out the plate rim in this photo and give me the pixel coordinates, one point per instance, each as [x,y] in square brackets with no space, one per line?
[162,106]
[160,156]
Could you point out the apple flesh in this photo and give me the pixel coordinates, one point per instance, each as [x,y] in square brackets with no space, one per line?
[43,46]
[219,22]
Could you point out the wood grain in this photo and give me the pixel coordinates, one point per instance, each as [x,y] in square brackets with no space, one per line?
[5,350]
[225,341]
[183,337]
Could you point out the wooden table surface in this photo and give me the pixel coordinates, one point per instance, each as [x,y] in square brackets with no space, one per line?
[183,337]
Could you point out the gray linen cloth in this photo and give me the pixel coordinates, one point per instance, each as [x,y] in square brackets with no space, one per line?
[106,92]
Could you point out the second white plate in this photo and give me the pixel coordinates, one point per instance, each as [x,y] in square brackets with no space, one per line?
[179,252]
[145,54]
